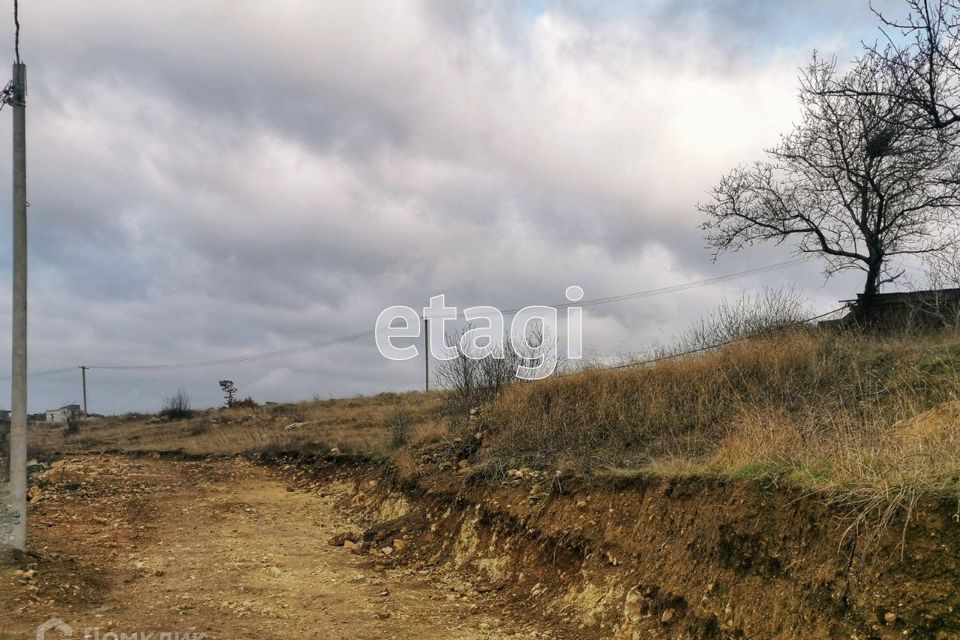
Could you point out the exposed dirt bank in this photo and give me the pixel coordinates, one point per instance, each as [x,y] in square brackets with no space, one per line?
[232,549]
[645,558]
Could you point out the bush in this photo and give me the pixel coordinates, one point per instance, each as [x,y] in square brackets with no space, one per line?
[177,406]
[747,317]
[400,426]
[473,381]
[246,403]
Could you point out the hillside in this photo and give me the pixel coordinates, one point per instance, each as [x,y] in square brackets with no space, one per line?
[808,473]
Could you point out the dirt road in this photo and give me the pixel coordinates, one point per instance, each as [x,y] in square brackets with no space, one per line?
[222,548]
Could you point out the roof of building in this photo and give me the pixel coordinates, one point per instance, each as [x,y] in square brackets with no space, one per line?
[895,297]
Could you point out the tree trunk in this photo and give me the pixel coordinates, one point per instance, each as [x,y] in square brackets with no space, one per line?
[866,305]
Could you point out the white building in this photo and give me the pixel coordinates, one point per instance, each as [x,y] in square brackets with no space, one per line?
[64,413]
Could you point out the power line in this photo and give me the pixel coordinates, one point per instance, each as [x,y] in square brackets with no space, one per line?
[360,335]
[267,355]
[677,287]
[717,345]
[48,372]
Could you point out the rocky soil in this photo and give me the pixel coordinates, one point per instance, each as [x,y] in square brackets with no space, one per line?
[227,549]
[433,547]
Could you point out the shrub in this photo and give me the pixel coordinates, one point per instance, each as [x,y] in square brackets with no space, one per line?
[747,317]
[177,406]
[473,380]
[246,403]
[400,426]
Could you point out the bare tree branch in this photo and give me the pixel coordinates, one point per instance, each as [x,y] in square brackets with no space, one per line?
[850,182]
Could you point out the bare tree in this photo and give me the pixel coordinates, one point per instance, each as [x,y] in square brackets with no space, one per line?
[847,184]
[177,406]
[474,378]
[920,53]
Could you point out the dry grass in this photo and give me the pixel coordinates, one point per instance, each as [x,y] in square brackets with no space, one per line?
[875,420]
[862,415]
[362,424]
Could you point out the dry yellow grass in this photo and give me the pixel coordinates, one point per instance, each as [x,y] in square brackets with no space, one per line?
[370,425]
[830,411]
[863,415]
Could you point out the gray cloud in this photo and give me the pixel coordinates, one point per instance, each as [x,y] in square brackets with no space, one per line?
[221,178]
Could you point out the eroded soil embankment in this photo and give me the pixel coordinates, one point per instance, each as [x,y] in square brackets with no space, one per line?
[648,558]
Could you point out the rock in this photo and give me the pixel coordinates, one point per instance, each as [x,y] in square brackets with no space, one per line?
[889,617]
[275,572]
[342,538]
[334,451]
[667,616]
[581,504]
[399,545]
[293,426]
[386,551]
[359,549]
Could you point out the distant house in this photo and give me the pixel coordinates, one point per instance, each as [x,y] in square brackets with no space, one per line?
[64,413]
[927,309]
[4,415]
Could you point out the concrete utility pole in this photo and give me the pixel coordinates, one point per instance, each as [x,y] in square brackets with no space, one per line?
[83,374]
[426,354]
[18,387]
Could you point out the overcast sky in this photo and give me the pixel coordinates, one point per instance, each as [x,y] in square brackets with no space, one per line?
[212,179]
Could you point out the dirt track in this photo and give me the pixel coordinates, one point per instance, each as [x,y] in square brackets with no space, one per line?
[222,548]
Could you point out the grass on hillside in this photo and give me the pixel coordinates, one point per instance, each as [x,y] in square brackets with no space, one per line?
[874,419]
[826,410]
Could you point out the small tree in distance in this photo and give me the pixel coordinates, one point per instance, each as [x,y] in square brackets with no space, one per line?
[229,392]
[849,183]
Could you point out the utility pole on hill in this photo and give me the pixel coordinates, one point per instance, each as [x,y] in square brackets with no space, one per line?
[15,96]
[83,375]
[426,354]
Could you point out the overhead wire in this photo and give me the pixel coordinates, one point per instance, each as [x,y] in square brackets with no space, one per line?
[361,335]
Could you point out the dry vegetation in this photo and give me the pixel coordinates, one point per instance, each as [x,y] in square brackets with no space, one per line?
[864,414]
[872,418]
[372,426]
